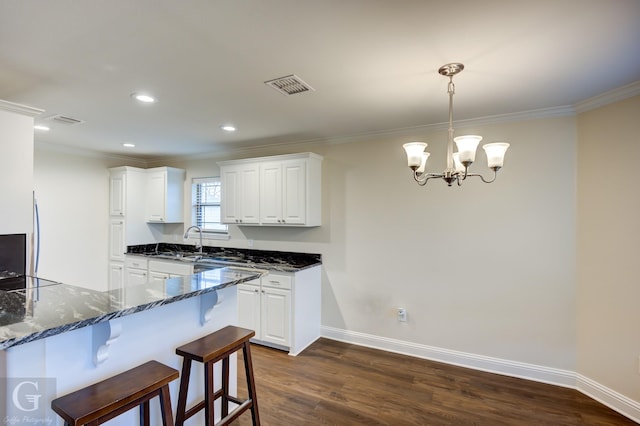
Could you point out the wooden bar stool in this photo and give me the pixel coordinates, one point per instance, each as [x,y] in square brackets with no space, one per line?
[105,400]
[209,350]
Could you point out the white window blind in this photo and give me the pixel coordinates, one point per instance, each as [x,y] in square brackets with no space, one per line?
[206,204]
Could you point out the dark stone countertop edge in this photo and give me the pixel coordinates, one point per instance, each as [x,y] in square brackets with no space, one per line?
[6,344]
[281,261]
[264,266]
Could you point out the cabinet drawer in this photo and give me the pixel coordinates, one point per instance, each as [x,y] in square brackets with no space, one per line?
[136,262]
[169,267]
[277,281]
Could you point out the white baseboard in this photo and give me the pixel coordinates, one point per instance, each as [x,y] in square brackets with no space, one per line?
[623,405]
[554,376]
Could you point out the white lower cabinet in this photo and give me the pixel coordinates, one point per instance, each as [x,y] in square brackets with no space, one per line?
[116,275]
[155,277]
[249,306]
[266,309]
[136,276]
[139,270]
[136,270]
[282,308]
[160,270]
[275,307]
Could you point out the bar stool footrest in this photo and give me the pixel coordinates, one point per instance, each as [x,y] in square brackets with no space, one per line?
[244,406]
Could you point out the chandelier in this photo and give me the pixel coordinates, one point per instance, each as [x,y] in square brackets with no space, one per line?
[457,162]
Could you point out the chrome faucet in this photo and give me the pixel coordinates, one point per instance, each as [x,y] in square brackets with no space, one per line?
[186,235]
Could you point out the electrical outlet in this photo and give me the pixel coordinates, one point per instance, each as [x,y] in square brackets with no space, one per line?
[402,315]
[250,243]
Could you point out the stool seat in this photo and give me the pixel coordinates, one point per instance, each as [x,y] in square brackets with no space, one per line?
[217,346]
[109,398]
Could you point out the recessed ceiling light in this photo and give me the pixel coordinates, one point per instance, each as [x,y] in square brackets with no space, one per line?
[41,127]
[129,145]
[143,97]
[228,128]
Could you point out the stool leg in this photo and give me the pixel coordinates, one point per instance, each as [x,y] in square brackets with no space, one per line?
[225,386]
[165,406]
[209,390]
[182,394]
[251,384]
[144,413]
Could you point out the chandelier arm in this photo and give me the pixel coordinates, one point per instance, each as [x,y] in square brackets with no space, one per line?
[466,172]
[495,175]
[422,178]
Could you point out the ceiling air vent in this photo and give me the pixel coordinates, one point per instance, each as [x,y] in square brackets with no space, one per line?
[289,85]
[63,119]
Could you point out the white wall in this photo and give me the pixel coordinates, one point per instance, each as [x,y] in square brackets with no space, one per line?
[485,269]
[608,249]
[72,192]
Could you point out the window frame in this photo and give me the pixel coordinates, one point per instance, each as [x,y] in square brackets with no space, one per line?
[218,234]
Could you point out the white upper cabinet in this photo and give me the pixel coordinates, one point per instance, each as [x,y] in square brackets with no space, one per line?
[117,185]
[165,195]
[240,194]
[285,190]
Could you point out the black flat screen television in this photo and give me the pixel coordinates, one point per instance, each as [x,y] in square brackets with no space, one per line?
[13,253]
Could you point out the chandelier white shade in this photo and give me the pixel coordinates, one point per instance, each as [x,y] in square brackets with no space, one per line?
[458,163]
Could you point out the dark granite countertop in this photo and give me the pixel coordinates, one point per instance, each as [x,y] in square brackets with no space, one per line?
[46,308]
[262,259]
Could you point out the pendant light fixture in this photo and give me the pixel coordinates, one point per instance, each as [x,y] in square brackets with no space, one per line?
[457,162]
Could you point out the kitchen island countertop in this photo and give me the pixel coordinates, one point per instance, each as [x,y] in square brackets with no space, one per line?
[47,308]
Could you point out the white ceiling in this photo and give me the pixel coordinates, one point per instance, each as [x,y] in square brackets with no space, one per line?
[373,65]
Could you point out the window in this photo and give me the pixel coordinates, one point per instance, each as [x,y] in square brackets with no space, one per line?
[205,193]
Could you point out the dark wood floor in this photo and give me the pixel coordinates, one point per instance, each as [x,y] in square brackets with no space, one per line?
[333,383]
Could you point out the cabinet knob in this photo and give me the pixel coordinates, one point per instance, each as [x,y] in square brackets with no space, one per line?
[240,220]
[256,290]
[121,213]
[236,220]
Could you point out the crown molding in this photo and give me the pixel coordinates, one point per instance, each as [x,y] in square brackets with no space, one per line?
[609,97]
[20,109]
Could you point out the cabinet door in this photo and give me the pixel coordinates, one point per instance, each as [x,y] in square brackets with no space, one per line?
[156,196]
[240,194]
[117,185]
[136,277]
[116,276]
[294,192]
[157,277]
[230,195]
[271,193]
[250,195]
[275,315]
[117,245]
[249,307]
